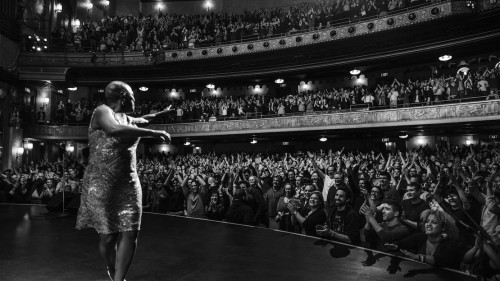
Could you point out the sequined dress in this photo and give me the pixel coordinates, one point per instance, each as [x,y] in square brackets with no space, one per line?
[111,198]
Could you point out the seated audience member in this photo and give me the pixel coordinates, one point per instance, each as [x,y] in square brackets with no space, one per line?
[343,221]
[315,216]
[436,245]
[390,230]
[239,211]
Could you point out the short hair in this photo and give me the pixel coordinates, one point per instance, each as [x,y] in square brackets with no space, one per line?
[239,194]
[243,182]
[416,185]
[321,200]
[385,174]
[347,191]
[116,90]
[396,206]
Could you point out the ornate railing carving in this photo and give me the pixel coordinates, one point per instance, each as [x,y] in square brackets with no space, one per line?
[435,114]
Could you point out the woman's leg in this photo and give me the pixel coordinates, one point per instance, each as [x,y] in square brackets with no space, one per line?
[107,248]
[127,243]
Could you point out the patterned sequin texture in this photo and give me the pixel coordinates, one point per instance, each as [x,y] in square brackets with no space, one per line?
[111,193]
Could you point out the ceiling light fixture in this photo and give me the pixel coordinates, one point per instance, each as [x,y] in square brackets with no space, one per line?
[72,88]
[403,135]
[323,139]
[355,71]
[253,141]
[211,86]
[187,143]
[143,88]
[279,81]
[445,58]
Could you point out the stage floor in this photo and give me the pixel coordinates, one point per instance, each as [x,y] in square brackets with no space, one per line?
[36,246]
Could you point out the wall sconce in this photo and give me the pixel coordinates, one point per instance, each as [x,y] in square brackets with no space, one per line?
[28,145]
[45,102]
[58,8]
[19,152]
[70,149]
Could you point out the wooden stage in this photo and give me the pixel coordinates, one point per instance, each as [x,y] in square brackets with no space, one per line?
[39,246]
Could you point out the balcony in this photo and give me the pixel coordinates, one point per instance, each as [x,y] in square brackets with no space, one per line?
[481,111]
[364,26]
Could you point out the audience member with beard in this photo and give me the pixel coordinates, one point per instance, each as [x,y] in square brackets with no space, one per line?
[413,207]
[390,230]
[271,198]
[343,221]
[239,211]
[436,245]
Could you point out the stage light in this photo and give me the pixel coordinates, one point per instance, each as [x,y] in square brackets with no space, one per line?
[279,81]
[187,142]
[355,71]
[253,141]
[210,86]
[72,88]
[39,49]
[445,58]
[403,135]
[323,139]
[143,88]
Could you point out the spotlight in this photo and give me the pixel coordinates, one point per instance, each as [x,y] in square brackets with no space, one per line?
[39,49]
[187,142]
[279,81]
[323,139]
[143,88]
[445,58]
[210,86]
[253,141]
[403,135]
[72,88]
[355,71]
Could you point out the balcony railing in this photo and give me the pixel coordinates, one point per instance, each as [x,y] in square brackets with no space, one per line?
[487,110]
[338,30]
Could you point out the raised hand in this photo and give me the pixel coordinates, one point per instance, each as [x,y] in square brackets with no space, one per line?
[161,135]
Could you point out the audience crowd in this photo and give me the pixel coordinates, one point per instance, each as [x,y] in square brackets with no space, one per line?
[478,84]
[437,205]
[165,31]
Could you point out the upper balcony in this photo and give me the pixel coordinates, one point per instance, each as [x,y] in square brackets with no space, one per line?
[459,114]
[337,31]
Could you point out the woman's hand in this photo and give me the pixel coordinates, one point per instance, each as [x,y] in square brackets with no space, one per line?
[391,247]
[409,254]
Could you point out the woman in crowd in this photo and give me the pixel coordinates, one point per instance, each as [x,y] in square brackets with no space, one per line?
[436,245]
[309,218]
